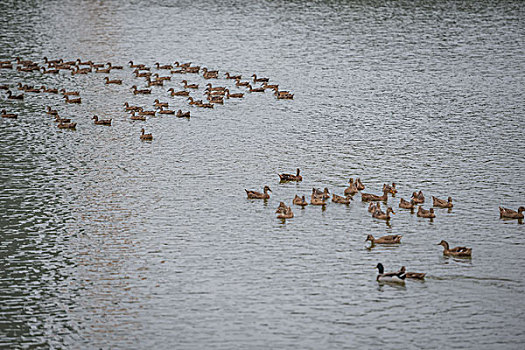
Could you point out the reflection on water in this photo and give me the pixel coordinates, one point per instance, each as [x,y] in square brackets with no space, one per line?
[109,242]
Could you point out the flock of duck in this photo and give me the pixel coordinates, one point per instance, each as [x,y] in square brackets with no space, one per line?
[319,198]
[214,95]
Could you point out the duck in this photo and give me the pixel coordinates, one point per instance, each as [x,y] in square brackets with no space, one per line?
[137,117]
[210,76]
[137,65]
[51,111]
[101,121]
[238,83]
[300,201]
[183,65]
[259,80]
[6,66]
[234,77]
[373,206]
[340,199]
[359,184]
[192,102]
[140,74]
[220,93]
[67,125]
[211,72]
[178,93]
[154,82]
[143,92]
[110,66]
[159,104]
[165,111]
[418,197]
[325,194]
[8,115]
[367,197]
[406,204]
[413,275]
[281,208]
[73,100]
[236,95]
[62,120]
[166,66]
[189,86]
[215,99]
[158,77]
[205,105]
[49,71]
[286,214]
[284,95]
[251,89]
[69,93]
[390,239]
[131,108]
[193,69]
[456,251]
[80,71]
[144,136]
[271,87]
[143,112]
[378,214]
[511,214]
[351,189]
[115,81]
[391,188]
[291,177]
[210,87]
[181,114]
[14,97]
[258,195]
[441,203]
[397,277]
[103,70]
[317,200]
[423,213]
[49,90]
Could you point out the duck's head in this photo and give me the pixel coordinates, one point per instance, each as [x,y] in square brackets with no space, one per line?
[521,209]
[380,268]
[298,171]
[369,238]
[403,269]
[449,199]
[443,243]
[351,181]
[95,117]
[390,210]
[266,188]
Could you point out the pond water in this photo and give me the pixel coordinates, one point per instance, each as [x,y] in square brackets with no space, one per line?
[110,242]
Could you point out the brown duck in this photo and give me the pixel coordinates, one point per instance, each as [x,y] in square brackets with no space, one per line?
[423,213]
[258,195]
[441,203]
[457,251]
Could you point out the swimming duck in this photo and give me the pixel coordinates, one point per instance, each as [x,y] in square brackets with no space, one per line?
[69,93]
[251,89]
[366,197]
[192,102]
[423,213]
[103,70]
[228,76]
[281,208]
[457,251]
[183,65]
[282,95]
[390,239]
[236,95]
[143,112]
[373,206]
[406,204]
[51,111]
[359,184]
[49,90]
[145,137]
[210,87]
[378,214]
[442,203]
[14,97]
[258,195]
[391,188]
[418,197]
[351,189]
[193,69]
[190,86]
[286,214]
[299,201]
[131,108]
[8,115]
[49,71]
[181,114]
[271,87]
[159,104]
[165,111]
[215,99]
[115,81]
[318,193]
[137,91]
[101,121]
[67,125]
[133,65]
[259,80]
[397,277]
[154,82]
[178,93]
[73,100]
[511,214]
[211,72]
[140,74]
[238,83]
[290,177]
[110,66]
[166,66]
[80,71]
[317,200]
[340,199]
[137,117]
[205,105]
[413,275]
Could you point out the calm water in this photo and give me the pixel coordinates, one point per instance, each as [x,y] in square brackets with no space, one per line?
[110,242]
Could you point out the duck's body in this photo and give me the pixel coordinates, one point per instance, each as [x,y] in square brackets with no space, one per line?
[340,199]
[49,90]
[413,275]
[390,239]
[114,81]
[190,86]
[259,195]
[511,214]
[67,125]
[251,89]
[131,108]
[136,91]
[367,197]
[456,251]
[351,189]
[291,177]
[378,214]
[287,213]
[317,200]
[8,115]
[259,80]
[441,203]
[373,206]
[165,111]
[101,121]
[159,104]
[178,93]
[359,184]
[62,120]
[300,201]
[228,76]
[69,93]
[51,111]
[73,100]
[390,188]
[236,95]
[423,213]
[238,83]
[325,194]
[418,197]
[406,204]
[166,66]
[10,96]
[396,277]
[181,114]
[144,136]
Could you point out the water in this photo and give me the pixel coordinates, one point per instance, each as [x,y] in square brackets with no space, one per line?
[110,242]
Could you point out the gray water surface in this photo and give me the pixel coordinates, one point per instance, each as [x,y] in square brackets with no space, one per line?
[110,242]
